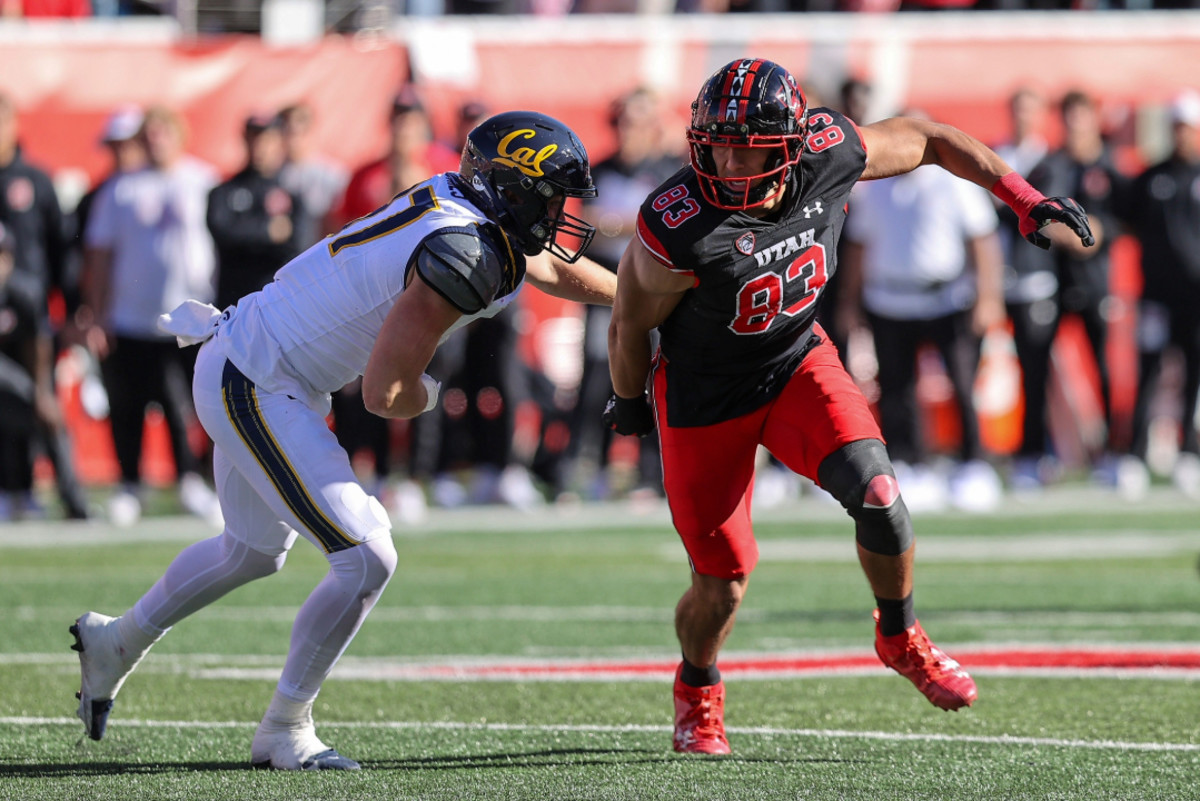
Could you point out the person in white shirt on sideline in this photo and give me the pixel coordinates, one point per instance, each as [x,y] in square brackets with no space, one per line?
[147,249]
[923,259]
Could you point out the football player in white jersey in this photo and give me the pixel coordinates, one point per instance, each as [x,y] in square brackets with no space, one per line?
[374,299]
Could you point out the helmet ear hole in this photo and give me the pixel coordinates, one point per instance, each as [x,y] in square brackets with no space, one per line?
[511,197]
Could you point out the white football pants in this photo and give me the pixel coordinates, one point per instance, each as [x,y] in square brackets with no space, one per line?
[279,470]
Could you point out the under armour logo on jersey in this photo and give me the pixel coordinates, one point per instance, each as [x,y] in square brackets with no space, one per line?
[809,211]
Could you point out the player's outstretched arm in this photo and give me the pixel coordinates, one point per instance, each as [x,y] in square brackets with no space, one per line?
[394,383]
[585,281]
[901,144]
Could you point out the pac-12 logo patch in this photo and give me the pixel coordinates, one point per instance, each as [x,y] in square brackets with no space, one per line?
[745,243]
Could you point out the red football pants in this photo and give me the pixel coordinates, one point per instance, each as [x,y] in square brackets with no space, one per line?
[708,471]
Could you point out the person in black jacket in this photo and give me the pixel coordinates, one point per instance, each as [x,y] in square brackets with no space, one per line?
[29,208]
[643,159]
[1083,169]
[1164,211]
[1030,295]
[255,222]
[26,395]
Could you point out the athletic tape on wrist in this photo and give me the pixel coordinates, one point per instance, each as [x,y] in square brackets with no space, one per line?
[1020,196]
[432,386]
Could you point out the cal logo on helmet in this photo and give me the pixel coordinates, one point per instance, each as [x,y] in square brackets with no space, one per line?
[526,159]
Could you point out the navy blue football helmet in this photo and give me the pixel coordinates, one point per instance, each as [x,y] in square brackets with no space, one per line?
[526,165]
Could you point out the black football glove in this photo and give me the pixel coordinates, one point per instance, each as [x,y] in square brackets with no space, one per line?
[1056,209]
[630,416]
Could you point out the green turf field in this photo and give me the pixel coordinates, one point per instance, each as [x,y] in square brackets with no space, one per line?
[1072,570]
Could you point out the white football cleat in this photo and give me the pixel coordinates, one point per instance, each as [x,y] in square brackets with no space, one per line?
[773,487]
[975,487]
[104,664]
[1133,478]
[1186,474]
[408,503]
[922,487]
[294,747]
[448,492]
[515,488]
[124,508]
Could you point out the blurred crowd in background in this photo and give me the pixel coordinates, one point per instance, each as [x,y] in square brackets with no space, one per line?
[225,16]
[938,309]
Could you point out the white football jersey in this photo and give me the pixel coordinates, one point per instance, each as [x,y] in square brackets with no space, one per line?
[315,325]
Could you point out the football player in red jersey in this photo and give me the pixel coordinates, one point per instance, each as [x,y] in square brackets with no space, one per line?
[731,256]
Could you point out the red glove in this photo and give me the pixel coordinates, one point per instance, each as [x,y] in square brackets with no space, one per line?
[1035,211]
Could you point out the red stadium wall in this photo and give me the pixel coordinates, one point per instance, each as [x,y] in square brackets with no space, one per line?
[960,67]
[65,91]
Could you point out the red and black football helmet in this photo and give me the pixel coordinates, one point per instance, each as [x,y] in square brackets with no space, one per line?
[752,103]
[525,165]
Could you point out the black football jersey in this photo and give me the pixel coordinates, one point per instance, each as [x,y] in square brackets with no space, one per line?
[738,335]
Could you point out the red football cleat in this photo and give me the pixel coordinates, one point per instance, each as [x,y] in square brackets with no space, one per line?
[936,675]
[700,718]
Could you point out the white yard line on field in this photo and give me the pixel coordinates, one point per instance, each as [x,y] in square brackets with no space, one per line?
[760,731]
[342,673]
[1166,661]
[1032,546]
[610,515]
[516,613]
[1038,546]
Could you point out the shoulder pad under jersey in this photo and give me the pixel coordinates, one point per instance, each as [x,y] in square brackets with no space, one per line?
[462,266]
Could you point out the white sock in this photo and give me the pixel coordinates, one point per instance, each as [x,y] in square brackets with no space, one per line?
[135,639]
[289,711]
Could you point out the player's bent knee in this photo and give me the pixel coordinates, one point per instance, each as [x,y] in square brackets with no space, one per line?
[368,565]
[383,558]
[860,476]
